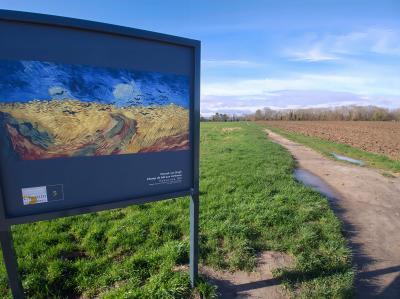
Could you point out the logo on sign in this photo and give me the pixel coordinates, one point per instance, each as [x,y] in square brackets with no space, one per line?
[42,194]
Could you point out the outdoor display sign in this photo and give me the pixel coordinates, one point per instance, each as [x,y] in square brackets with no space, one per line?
[93,117]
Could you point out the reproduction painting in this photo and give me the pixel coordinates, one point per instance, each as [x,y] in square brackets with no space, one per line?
[52,110]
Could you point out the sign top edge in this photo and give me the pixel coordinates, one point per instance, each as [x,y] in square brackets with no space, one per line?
[81,24]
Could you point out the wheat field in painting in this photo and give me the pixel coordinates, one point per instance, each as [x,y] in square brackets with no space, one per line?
[87,111]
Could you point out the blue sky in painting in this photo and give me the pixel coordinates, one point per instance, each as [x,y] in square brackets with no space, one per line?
[269,53]
[23,81]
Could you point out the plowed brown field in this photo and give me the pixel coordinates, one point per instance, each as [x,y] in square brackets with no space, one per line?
[373,136]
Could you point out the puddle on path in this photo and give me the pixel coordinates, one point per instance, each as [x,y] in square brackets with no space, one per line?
[311,180]
[347,159]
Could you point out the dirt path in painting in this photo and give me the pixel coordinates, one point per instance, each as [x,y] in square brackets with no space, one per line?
[368,204]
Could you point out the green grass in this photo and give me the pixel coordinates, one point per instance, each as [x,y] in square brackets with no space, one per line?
[327,147]
[249,203]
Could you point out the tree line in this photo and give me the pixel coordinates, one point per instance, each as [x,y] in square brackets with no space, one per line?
[342,113]
[223,117]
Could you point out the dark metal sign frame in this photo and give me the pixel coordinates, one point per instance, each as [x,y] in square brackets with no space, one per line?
[9,254]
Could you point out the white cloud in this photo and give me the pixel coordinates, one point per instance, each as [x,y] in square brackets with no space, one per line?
[359,74]
[334,47]
[316,53]
[126,91]
[359,84]
[376,40]
[300,90]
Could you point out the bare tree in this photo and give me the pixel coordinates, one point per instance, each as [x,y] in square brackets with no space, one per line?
[343,113]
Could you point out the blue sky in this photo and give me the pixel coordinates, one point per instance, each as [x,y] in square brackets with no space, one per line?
[279,54]
[24,81]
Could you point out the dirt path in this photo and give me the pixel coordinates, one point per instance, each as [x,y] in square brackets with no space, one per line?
[369,205]
[259,284]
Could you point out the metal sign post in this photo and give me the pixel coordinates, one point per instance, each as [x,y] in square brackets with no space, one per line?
[194,244]
[9,255]
[11,263]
